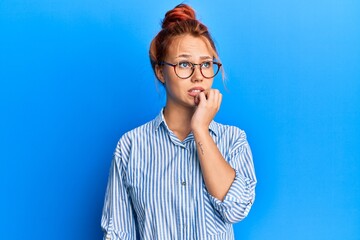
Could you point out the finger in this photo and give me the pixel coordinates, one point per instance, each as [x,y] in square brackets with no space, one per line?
[215,97]
[206,92]
[210,96]
[202,97]
[196,100]
[219,101]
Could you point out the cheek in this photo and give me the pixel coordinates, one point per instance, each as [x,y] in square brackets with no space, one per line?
[172,87]
[207,84]
[171,80]
[169,75]
[175,88]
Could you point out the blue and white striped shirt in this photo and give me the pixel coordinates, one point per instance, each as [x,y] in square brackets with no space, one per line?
[156,189]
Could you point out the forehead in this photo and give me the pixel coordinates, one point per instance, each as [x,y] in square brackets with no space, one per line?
[194,47]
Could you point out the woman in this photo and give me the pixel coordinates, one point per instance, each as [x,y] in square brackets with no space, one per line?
[181,175]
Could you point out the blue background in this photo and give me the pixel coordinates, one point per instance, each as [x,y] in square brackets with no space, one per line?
[75,75]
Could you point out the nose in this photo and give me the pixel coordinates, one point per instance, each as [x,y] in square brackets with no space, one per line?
[197,75]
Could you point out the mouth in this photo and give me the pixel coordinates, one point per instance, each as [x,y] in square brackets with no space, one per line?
[195,91]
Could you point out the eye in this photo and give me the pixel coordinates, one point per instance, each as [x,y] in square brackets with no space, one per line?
[184,65]
[207,64]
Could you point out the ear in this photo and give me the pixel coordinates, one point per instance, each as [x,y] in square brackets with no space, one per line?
[159,73]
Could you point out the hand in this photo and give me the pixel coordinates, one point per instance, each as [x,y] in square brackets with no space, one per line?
[208,104]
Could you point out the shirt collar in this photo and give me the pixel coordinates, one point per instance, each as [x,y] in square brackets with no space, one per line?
[160,119]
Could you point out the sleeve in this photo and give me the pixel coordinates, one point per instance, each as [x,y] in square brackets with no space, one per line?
[117,220]
[241,195]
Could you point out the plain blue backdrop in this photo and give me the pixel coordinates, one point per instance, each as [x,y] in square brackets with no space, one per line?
[75,75]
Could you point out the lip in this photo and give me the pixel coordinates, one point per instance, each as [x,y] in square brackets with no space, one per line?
[195,91]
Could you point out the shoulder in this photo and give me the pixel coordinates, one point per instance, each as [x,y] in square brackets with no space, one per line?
[230,136]
[140,133]
[229,131]
[134,140]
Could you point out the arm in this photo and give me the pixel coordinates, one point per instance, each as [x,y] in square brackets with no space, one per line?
[117,219]
[231,182]
[239,199]
[217,173]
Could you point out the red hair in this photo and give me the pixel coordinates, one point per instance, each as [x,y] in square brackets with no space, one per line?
[178,21]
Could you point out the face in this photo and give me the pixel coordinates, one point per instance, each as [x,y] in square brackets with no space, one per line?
[183,91]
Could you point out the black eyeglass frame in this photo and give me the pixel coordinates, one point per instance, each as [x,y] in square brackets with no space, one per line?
[193,65]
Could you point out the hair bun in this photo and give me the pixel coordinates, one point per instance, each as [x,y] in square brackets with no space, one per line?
[181,12]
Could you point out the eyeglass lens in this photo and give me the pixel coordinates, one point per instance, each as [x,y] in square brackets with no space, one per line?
[186,69]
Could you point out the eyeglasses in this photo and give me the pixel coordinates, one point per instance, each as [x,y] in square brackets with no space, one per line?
[185,69]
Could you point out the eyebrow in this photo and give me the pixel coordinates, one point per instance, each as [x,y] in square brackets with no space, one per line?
[188,56]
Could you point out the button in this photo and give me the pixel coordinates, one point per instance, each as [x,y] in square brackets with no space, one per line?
[183,183]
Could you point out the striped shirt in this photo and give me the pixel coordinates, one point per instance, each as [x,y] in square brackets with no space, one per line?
[156,190]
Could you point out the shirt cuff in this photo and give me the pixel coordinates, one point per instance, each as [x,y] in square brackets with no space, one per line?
[112,234]
[239,194]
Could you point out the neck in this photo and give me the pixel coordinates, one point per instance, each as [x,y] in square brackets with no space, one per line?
[178,119]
